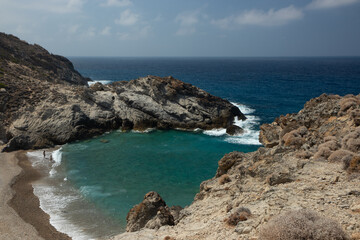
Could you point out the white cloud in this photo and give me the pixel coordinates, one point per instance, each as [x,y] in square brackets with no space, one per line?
[138,33]
[127,18]
[325,4]
[188,21]
[261,18]
[106,31]
[185,31]
[56,6]
[117,3]
[187,18]
[73,29]
[53,6]
[90,32]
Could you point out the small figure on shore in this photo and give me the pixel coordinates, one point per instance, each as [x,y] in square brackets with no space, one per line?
[51,158]
[44,154]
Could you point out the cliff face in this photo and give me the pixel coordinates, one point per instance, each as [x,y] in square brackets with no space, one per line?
[310,160]
[44,101]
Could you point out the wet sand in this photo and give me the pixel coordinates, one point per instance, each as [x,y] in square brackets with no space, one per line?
[20,214]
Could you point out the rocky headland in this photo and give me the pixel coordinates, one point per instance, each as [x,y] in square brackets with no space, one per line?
[304,183]
[44,101]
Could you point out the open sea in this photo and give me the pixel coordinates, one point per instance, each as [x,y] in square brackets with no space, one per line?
[91,185]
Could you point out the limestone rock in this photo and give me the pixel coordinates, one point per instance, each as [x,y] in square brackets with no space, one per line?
[48,102]
[152,213]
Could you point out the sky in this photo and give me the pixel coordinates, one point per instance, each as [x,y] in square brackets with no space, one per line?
[219,28]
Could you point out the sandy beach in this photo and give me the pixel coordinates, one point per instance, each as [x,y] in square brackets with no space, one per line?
[20,214]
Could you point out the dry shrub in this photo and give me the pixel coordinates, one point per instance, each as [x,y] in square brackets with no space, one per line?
[302,130]
[224,179]
[352,141]
[332,145]
[241,214]
[304,154]
[293,138]
[355,115]
[355,236]
[300,225]
[329,138]
[354,164]
[340,155]
[169,238]
[227,162]
[323,152]
[347,103]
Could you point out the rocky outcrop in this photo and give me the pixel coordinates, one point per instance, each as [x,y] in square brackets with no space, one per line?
[151,213]
[46,102]
[311,160]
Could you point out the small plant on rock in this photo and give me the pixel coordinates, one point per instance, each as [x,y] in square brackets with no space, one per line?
[224,179]
[241,214]
[300,225]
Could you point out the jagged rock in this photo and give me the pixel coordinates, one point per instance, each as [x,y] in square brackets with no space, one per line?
[269,135]
[152,212]
[163,217]
[234,130]
[227,162]
[50,103]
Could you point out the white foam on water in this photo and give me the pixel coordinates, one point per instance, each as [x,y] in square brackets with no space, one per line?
[100,81]
[250,135]
[55,204]
[54,196]
[148,130]
[56,157]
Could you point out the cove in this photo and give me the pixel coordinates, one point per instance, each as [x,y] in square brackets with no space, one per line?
[116,170]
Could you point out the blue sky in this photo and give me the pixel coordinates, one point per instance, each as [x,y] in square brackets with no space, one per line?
[187,27]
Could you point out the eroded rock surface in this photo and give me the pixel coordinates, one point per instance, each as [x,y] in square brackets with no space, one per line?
[151,213]
[46,102]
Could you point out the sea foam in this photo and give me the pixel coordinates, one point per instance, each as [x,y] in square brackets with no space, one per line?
[56,157]
[100,81]
[250,135]
[55,194]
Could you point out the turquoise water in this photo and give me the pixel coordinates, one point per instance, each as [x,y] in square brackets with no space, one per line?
[91,187]
[117,174]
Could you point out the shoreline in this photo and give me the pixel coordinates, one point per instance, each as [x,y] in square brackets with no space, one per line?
[25,203]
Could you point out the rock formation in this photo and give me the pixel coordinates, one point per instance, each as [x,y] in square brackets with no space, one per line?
[44,101]
[151,213]
[311,160]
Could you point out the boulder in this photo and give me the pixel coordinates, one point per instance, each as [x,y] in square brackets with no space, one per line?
[152,213]
[234,130]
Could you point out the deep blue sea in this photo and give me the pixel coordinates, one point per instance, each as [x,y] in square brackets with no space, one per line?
[99,182]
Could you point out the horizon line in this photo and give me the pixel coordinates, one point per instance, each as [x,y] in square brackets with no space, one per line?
[334,56]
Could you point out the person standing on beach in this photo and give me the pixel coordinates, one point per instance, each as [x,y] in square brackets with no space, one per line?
[44,154]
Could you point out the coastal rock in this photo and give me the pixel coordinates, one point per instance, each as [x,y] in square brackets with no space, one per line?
[48,102]
[152,213]
[269,135]
[311,160]
[234,130]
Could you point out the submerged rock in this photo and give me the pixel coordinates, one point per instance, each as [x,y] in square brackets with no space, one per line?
[234,130]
